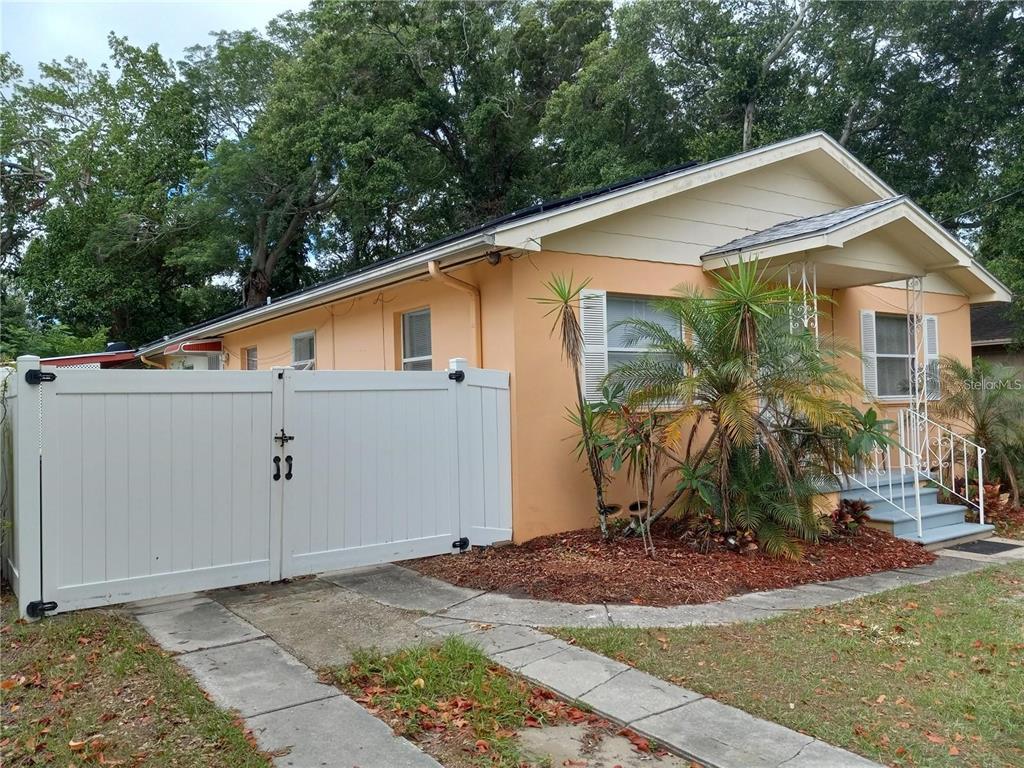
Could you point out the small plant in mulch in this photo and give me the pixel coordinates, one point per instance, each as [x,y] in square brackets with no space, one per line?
[461,708]
[1000,512]
[849,515]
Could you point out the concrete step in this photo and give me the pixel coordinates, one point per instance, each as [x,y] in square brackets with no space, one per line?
[886,513]
[902,495]
[932,518]
[952,535]
[881,480]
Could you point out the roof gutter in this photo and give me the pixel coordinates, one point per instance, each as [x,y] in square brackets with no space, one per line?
[467,249]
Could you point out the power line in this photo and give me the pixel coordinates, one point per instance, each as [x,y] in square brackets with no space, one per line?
[987,202]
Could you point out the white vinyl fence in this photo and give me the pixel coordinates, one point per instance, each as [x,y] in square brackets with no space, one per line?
[142,483]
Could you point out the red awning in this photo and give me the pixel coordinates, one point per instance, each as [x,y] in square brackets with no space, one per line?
[102,359]
[197,347]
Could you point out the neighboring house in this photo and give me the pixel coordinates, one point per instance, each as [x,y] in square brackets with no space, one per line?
[117,355]
[805,208]
[995,335]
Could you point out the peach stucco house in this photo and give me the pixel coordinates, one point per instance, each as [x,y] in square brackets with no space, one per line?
[805,206]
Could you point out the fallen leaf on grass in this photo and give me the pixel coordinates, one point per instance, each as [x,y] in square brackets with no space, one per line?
[934,738]
[419,682]
[482,746]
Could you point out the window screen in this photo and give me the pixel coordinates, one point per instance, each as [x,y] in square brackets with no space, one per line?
[416,352]
[304,350]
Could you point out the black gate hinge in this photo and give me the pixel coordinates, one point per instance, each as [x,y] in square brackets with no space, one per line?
[457,376]
[461,544]
[38,609]
[34,376]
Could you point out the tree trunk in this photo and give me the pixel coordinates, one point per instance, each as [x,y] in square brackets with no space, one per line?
[256,288]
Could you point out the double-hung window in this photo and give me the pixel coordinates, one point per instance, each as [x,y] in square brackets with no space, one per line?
[416,348]
[304,351]
[249,359]
[607,339]
[888,355]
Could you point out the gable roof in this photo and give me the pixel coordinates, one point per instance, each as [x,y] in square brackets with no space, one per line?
[811,225]
[524,228]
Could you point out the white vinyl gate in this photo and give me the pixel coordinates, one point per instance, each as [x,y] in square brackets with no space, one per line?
[136,484]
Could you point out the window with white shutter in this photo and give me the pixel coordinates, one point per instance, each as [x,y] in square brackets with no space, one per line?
[594,323]
[869,368]
[607,341]
[931,355]
[888,353]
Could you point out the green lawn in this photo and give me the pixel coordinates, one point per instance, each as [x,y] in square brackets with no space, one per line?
[89,688]
[929,675]
[456,704]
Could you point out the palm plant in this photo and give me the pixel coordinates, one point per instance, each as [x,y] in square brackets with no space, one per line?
[563,298]
[987,401]
[742,382]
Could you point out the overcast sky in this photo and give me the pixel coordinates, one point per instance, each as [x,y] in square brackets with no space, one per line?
[43,30]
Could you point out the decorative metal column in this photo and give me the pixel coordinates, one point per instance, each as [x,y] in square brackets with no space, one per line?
[802,277]
[918,389]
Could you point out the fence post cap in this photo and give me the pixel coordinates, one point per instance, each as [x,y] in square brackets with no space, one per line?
[458,364]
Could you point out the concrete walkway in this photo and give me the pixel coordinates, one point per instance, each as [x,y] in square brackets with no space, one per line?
[303,722]
[684,721]
[402,588]
[241,664]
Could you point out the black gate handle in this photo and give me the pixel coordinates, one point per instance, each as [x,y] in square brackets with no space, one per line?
[277,467]
[288,474]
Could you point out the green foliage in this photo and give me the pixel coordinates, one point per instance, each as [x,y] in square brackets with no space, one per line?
[987,401]
[21,334]
[758,408]
[354,131]
[849,515]
[868,433]
[562,300]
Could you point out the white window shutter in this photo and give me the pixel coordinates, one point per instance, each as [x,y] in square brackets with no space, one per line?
[868,348]
[594,323]
[931,356]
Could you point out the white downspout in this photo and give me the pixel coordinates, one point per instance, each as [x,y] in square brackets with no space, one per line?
[461,285]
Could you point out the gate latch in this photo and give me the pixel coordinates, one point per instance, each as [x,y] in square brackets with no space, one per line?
[461,544]
[34,376]
[283,437]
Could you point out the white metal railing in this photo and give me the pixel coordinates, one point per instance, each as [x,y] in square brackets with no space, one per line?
[944,457]
[882,473]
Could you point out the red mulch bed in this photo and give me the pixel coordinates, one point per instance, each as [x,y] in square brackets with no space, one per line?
[577,567]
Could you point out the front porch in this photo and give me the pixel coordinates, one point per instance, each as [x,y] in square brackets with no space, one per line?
[929,482]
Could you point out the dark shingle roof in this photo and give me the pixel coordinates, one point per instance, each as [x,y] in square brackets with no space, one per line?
[993,323]
[802,227]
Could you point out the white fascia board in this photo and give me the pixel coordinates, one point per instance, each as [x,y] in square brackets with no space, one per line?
[465,249]
[524,232]
[901,208]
